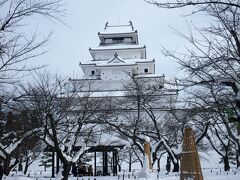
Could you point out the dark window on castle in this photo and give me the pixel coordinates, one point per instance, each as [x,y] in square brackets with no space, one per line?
[118,40]
[93,72]
[146,70]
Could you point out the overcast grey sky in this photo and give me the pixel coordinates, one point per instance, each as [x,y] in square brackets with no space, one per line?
[69,44]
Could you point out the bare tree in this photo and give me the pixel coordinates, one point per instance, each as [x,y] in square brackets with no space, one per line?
[31,151]
[16,46]
[68,119]
[16,130]
[213,58]
[155,103]
[143,109]
[211,103]
[184,3]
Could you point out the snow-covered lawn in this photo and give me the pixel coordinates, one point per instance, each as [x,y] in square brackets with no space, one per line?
[209,174]
[212,170]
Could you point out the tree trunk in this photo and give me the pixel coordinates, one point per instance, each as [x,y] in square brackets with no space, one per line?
[154,158]
[130,163]
[119,167]
[226,163]
[168,165]
[66,169]
[6,169]
[238,151]
[7,165]
[158,164]
[175,166]
[238,158]
[26,166]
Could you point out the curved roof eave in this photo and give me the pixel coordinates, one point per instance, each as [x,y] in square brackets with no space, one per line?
[115,48]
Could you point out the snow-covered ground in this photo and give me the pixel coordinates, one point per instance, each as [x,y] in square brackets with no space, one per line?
[209,174]
[211,168]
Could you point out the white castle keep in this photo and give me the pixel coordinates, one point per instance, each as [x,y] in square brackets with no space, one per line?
[117,60]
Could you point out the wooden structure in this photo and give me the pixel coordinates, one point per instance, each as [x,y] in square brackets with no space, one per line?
[147,151]
[190,164]
[107,147]
[106,151]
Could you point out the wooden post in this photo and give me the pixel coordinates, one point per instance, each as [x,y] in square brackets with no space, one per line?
[147,151]
[95,163]
[190,164]
[58,164]
[105,163]
[114,163]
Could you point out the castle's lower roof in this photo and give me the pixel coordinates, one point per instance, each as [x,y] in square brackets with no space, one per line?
[118,47]
[126,61]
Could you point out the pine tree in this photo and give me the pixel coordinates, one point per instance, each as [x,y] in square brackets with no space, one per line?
[46,160]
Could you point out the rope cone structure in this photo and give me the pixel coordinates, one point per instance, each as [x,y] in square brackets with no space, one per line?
[190,164]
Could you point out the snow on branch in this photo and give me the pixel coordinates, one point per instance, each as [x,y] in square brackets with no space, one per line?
[168,149]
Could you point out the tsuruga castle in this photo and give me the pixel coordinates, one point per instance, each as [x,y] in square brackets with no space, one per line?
[117,60]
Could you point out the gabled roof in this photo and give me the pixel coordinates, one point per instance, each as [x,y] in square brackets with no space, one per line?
[116,59]
[126,61]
